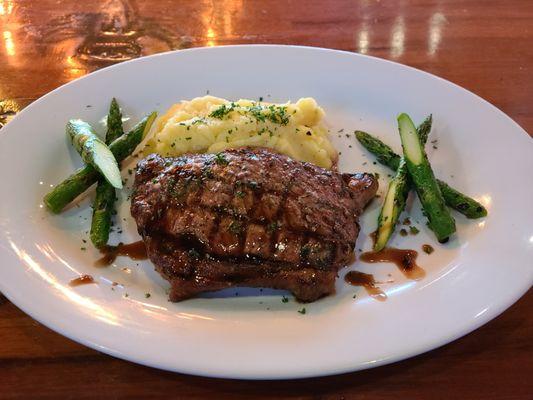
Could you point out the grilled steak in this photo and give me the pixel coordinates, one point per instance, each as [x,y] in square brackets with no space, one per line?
[248,217]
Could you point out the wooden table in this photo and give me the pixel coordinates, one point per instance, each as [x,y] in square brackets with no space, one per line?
[485,46]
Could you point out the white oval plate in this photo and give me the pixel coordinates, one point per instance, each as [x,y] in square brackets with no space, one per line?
[469,281]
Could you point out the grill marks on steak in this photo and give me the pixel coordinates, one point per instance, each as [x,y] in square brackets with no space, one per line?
[248,217]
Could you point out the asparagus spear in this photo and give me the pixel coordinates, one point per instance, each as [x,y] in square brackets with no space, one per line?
[440,220]
[453,198]
[93,151]
[384,154]
[461,202]
[393,206]
[102,211]
[424,128]
[397,193]
[105,193]
[114,122]
[84,177]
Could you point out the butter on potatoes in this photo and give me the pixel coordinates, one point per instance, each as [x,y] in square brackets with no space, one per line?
[210,124]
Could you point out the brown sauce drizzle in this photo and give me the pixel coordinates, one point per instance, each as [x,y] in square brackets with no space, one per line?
[135,251]
[356,278]
[404,259]
[82,280]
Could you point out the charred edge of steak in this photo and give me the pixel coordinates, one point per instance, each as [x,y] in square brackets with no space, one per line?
[307,285]
[363,187]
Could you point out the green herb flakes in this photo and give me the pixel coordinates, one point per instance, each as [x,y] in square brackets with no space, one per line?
[272,227]
[222,111]
[220,159]
[235,227]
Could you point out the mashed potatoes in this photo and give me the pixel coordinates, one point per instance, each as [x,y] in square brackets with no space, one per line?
[210,124]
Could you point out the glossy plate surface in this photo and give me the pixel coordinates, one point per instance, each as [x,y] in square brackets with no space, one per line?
[246,333]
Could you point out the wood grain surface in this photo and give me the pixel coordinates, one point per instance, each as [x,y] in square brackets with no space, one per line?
[485,46]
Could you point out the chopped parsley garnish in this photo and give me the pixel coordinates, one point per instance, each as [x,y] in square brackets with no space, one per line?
[240,194]
[147,295]
[207,173]
[284,299]
[220,159]
[305,250]
[413,230]
[302,311]
[273,226]
[259,112]
[179,189]
[235,227]
[278,115]
[198,121]
[222,111]
[252,185]
[193,253]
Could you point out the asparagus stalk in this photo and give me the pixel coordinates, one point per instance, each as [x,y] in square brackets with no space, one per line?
[105,193]
[102,211]
[397,193]
[84,177]
[114,122]
[440,220]
[93,151]
[393,206]
[453,198]
[384,154]
[461,202]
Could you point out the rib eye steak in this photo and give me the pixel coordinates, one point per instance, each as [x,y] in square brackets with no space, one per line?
[248,217]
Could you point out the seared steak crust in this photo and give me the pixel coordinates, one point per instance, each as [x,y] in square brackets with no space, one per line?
[248,217]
